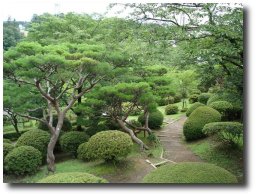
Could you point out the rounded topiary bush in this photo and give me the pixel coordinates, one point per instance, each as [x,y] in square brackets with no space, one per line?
[193,107]
[36,138]
[171,109]
[7,148]
[224,107]
[107,145]
[70,141]
[231,132]
[193,126]
[155,119]
[177,98]
[193,172]
[193,98]
[67,126]
[73,177]
[7,141]
[23,160]
[203,98]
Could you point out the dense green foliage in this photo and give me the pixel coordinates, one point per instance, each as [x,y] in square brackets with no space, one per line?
[231,132]
[193,98]
[224,107]
[66,124]
[7,148]
[107,145]
[23,160]
[36,138]
[72,177]
[13,135]
[171,109]
[70,141]
[203,98]
[7,141]
[155,119]
[193,126]
[192,108]
[190,173]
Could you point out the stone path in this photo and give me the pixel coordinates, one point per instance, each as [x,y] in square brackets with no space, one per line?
[174,148]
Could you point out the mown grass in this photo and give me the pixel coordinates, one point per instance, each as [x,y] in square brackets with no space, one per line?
[220,154]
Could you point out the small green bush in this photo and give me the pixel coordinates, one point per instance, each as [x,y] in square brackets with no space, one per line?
[67,126]
[224,107]
[70,141]
[23,160]
[193,172]
[7,148]
[203,98]
[107,145]
[169,100]
[155,119]
[193,126]
[171,109]
[177,98]
[193,107]
[183,109]
[193,98]
[37,138]
[72,177]
[231,132]
[7,141]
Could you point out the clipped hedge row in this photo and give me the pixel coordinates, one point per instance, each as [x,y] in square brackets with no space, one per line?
[190,173]
[224,107]
[171,109]
[107,145]
[193,98]
[203,98]
[73,177]
[193,107]
[193,126]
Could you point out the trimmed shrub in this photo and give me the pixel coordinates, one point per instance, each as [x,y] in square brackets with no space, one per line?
[177,98]
[107,145]
[35,138]
[224,107]
[72,177]
[7,148]
[193,172]
[193,107]
[155,119]
[169,100]
[193,126]
[203,98]
[23,160]
[183,109]
[171,109]
[70,141]
[13,136]
[193,98]
[231,132]
[7,141]
[67,126]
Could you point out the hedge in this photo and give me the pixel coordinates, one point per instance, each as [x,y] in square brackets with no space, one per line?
[107,145]
[190,172]
[171,109]
[7,148]
[193,98]
[203,98]
[23,160]
[155,119]
[193,126]
[72,177]
[193,107]
[224,107]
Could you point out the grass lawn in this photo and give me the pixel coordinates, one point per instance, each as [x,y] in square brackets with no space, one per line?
[220,154]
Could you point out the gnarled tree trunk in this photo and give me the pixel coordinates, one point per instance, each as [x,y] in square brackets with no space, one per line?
[131,133]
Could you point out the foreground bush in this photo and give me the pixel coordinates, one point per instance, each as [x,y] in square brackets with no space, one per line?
[193,107]
[203,98]
[231,132]
[7,148]
[67,126]
[36,138]
[190,173]
[7,141]
[70,141]
[23,160]
[193,126]
[171,109]
[107,145]
[224,107]
[155,119]
[72,177]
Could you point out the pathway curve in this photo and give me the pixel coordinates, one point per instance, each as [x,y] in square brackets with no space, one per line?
[174,148]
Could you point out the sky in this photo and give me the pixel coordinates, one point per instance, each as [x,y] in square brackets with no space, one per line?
[23,10]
